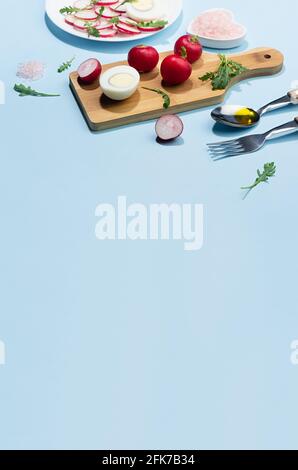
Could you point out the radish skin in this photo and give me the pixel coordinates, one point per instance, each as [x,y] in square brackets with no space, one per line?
[89,71]
[169,127]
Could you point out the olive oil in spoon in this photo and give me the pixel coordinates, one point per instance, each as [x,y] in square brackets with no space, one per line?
[240,116]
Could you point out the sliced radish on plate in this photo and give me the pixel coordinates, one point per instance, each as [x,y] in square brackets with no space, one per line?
[107,3]
[104,24]
[108,13]
[149,29]
[107,33]
[70,19]
[125,20]
[119,7]
[87,15]
[126,29]
[83,4]
[79,24]
[169,127]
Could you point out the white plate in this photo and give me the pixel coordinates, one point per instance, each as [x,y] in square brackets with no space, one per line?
[173,7]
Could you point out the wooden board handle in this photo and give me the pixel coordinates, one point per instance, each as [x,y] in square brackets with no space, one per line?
[260,61]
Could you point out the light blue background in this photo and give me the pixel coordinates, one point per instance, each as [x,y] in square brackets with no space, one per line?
[139,345]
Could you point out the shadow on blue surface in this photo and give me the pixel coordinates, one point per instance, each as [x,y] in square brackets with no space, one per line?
[161,38]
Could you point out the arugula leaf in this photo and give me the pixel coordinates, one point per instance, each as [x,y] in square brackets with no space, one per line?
[69,10]
[268,172]
[24,90]
[153,24]
[115,20]
[91,31]
[166,98]
[102,9]
[227,70]
[65,65]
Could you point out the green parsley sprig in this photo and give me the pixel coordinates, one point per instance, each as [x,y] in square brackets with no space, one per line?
[269,171]
[227,70]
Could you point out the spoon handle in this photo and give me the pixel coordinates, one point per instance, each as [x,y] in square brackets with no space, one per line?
[280,103]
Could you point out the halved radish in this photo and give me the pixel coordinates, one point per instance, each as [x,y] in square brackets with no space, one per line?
[89,71]
[87,15]
[107,33]
[83,4]
[126,29]
[169,127]
[108,13]
[69,19]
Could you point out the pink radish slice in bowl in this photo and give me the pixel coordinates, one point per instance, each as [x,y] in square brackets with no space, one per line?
[169,127]
[89,71]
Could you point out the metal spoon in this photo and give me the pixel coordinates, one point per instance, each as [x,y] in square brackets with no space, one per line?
[240,116]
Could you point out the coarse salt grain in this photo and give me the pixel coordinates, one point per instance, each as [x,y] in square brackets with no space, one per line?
[32,70]
[217,24]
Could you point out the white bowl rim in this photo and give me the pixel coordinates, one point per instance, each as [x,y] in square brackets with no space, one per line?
[218,39]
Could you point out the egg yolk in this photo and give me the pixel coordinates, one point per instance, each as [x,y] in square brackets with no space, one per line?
[121,80]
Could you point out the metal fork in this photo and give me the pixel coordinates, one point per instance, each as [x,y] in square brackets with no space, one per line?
[251,143]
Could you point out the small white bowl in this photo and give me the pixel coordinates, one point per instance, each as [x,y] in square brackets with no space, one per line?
[215,43]
[119,93]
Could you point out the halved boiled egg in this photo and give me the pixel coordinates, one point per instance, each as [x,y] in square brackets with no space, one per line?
[144,10]
[119,83]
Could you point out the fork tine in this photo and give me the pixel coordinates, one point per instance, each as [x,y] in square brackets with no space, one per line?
[218,150]
[225,142]
[227,153]
[215,158]
[232,155]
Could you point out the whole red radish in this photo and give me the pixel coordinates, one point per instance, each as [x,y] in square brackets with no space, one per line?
[143,58]
[89,71]
[191,45]
[175,69]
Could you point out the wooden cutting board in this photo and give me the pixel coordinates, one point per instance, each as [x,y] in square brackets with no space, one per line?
[102,113]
